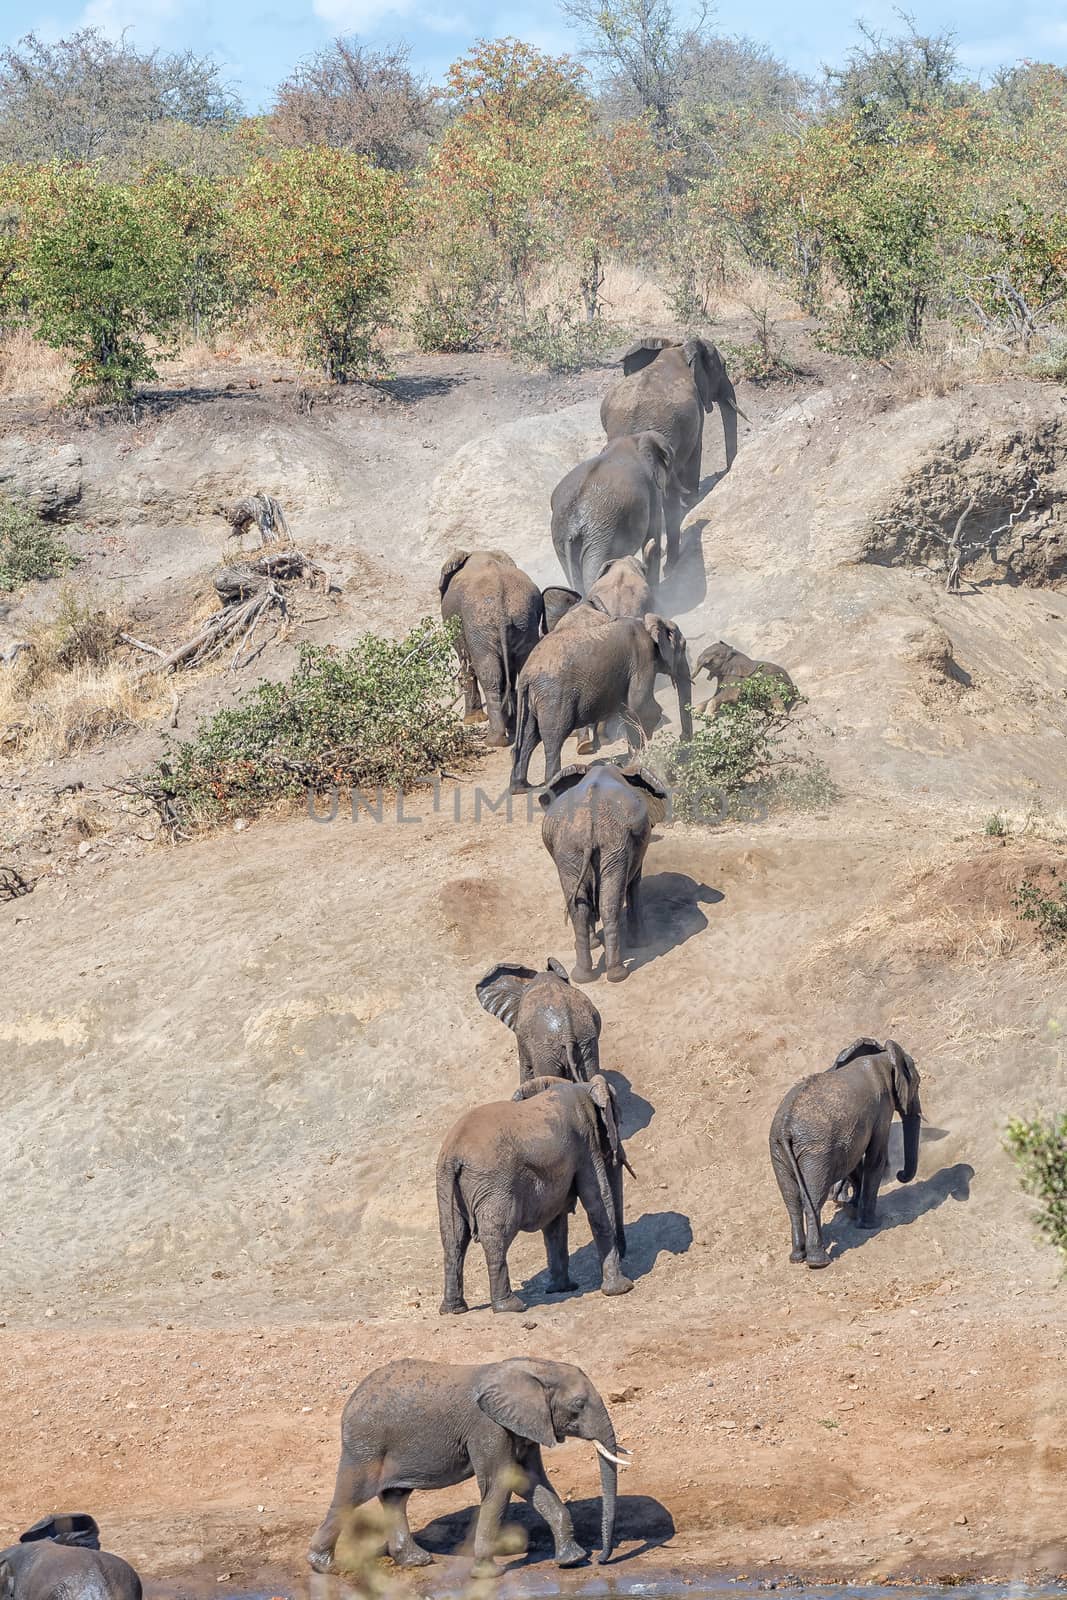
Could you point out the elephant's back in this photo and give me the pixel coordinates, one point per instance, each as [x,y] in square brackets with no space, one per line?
[389,1392]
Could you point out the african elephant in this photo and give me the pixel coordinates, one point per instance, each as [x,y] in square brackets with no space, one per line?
[520,1166]
[620,590]
[500,611]
[731,668]
[592,667]
[612,505]
[60,1558]
[668,387]
[428,1424]
[832,1129]
[597,825]
[556,1026]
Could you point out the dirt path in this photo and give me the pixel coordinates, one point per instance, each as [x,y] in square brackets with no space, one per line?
[228,1068]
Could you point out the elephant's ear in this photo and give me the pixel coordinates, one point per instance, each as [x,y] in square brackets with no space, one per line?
[642,353]
[557,601]
[456,560]
[706,365]
[905,1076]
[510,1394]
[557,967]
[670,643]
[564,780]
[657,453]
[642,778]
[500,991]
[75,1528]
[858,1047]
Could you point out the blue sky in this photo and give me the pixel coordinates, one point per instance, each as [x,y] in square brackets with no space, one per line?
[258,40]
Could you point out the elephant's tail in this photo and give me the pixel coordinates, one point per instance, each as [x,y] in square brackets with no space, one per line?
[805,1197]
[451,1204]
[505,657]
[586,876]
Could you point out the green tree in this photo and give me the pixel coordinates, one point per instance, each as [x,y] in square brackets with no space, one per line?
[99,275]
[320,230]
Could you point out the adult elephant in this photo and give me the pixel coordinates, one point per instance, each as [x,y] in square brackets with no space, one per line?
[669,387]
[556,1027]
[428,1424]
[60,1558]
[612,505]
[832,1130]
[518,1166]
[500,613]
[597,825]
[590,667]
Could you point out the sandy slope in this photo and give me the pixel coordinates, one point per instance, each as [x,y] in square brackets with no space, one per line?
[229,1066]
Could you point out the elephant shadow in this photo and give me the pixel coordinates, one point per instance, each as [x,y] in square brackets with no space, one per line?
[655,1232]
[670,914]
[686,585]
[903,1205]
[638,1517]
[632,1111]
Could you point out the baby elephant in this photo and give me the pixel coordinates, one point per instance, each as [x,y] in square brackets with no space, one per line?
[518,1166]
[832,1130]
[60,1558]
[427,1424]
[731,668]
[597,825]
[557,1028]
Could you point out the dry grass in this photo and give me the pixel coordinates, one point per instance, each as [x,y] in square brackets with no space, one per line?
[32,371]
[73,688]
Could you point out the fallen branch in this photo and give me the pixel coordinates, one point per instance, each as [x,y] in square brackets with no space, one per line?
[248,592]
[12,884]
[261,509]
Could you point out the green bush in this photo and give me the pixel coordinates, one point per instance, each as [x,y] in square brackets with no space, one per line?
[562,339]
[995,826]
[29,548]
[1039,1147]
[739,757]
[1047,910]
[379,714]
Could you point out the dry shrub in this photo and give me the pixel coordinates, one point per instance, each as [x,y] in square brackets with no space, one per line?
[32,371]
[71,690]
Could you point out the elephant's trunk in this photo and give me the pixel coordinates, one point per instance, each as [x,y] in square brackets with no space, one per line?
[728,412]
[603,1437]
[912,1124]
[684,684]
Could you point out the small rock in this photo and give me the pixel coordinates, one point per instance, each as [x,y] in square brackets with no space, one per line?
[240,825]
[529,1326]
[961,1521]
[85,846]
[50,1311]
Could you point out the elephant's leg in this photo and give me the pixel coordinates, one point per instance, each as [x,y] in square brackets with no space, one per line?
[634,919]
[612,903]
[594,1191]
[496,1490]
[540,1494]
[455,1240]
[472,699]
[553,738]
[794,1204]
[493,683]
[818,1187]
[588,740]
[520,769]
[402,1547]
[495,1239]
[350,1490]
[559,1276]
[582,923]
[672,523]
[874,1163]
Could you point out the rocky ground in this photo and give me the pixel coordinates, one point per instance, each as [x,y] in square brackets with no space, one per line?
[230,1063]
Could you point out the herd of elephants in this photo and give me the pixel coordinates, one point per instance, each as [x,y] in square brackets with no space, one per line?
[550,664]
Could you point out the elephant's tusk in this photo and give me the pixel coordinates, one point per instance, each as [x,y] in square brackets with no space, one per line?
[618,1460]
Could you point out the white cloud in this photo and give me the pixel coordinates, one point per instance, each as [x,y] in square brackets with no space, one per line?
[113,17]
